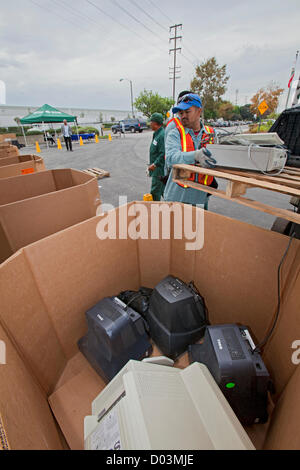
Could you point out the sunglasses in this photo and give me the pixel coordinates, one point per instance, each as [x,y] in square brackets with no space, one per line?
[188,99]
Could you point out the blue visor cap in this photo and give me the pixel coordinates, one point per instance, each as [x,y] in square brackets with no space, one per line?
[186,102]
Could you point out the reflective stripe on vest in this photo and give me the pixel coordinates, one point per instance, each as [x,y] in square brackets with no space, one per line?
[187,145]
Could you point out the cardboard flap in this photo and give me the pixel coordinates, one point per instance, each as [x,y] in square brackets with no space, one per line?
[63,179]
[72,402]
[284,433]
[26,422]
[10,160]
[24,317]
[279,350]
[74,270]
[18,188]
[236,272]
[33,219]
[154,253]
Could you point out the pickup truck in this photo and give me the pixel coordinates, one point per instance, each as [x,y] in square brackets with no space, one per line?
[131,125]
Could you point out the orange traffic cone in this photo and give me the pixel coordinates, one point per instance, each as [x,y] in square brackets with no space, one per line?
[96,138]
[148,197]
[81,141]
[37,147]
[109,137]
[59,144]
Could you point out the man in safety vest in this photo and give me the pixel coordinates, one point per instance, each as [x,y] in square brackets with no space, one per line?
[186,144]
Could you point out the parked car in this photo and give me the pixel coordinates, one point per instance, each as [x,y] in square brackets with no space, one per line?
[131,125]
[17,144]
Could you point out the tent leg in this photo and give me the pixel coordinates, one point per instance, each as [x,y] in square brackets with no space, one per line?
[75,122]
[24,135]
[45,135]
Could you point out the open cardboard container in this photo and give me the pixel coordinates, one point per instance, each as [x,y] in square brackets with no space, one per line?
[4,138]
[47,287]
[8,150]
[40,204]
[20,165]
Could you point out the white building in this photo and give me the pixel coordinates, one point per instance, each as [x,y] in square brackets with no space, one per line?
[85,116]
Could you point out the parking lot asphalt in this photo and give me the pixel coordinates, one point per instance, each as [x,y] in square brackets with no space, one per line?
[126,159]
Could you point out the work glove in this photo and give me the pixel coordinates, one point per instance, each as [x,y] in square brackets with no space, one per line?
[204,158]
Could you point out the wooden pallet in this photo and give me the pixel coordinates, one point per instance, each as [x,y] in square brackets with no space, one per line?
[288,182]
[97,172]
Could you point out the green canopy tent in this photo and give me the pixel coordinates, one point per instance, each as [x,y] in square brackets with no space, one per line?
[46,115]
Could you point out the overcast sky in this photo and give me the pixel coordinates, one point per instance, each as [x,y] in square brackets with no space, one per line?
[69,53]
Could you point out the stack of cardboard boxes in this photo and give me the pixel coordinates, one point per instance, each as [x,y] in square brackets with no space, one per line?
[14,164]
[40,204]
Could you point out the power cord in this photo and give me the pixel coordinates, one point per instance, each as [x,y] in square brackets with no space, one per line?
[263,343]
[259,169]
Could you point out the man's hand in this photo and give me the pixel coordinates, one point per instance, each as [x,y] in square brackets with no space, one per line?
[152,167]
[204,158]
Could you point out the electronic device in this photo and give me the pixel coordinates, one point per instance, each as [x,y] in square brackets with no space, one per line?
[160,360]
[116,334]
[249,157]
[261,138]
[176,316]
[153,407]
[229,353]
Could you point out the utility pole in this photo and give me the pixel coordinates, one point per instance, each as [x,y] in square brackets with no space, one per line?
[175,69]
[236,96]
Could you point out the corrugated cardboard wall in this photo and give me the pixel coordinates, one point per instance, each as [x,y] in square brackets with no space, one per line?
[27,420]
[24,187]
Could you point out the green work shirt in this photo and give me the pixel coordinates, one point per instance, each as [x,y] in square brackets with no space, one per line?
[157,152]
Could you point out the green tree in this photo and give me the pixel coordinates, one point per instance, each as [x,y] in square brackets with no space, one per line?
[148,103]
[112,119]
[226,110]
[246,112]
[210,83]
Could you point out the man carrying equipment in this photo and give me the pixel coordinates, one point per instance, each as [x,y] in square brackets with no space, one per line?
[186,144]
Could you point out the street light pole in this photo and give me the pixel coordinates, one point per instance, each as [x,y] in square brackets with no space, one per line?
[131,94]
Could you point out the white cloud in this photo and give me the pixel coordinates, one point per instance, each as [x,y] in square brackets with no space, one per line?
[68,53]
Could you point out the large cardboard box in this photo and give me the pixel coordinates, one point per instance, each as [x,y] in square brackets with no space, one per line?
[7,137]
[46,288]
[8,150]
[39,204]
[20,165]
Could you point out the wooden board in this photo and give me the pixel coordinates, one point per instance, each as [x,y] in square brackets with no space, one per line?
[237,184]
[284,178]
[248,178]
[97,172]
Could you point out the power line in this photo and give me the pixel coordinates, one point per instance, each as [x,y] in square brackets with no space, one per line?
[78,14]
[155,6]
[113,19]
[52,12]
[147,14]
[186,58]
[136,19]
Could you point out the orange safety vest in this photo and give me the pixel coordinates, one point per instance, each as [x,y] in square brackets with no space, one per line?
[187,145]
